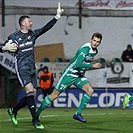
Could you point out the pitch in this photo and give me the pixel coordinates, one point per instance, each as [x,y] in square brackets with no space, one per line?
[59,120]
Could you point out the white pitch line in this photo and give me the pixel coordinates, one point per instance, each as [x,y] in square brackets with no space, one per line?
[25,118]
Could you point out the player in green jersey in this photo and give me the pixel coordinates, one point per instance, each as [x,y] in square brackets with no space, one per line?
[74,75]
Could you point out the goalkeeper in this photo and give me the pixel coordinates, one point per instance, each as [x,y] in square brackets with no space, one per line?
[25,63]
[74,74]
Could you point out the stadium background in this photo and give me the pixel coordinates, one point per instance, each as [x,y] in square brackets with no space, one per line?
[113,18]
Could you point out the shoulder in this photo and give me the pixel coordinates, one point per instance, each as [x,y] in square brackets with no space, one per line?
[14,35]
[125,51]
[86,47]
[51,73]
[42,73]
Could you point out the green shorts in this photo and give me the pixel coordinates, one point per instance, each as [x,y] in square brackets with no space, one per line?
[66,81]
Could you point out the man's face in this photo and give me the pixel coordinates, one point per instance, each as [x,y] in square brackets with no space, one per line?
[95,42]
[129,49]
[27,23]
[45,70]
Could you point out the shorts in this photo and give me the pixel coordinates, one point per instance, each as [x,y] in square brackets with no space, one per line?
[27,76]
[65,82]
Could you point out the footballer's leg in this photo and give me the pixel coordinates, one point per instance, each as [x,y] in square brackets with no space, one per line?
[13,111]
[62,84]
[131,98]
[126,100]
[47,101]
[30,94]
[85,85]
[84,101]
[13,116]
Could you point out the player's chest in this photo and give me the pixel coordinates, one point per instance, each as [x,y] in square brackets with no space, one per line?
[25,42]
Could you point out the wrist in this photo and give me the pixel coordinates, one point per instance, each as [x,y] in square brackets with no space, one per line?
[57,16]
[3,48]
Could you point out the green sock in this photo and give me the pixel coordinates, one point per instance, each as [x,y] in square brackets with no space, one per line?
[84,101]
[131,98]
[46,102]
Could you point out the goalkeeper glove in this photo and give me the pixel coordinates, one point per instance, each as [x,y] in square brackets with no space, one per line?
[59,11]
[9,46]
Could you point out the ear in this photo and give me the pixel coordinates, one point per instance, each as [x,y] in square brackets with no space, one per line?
[23,23]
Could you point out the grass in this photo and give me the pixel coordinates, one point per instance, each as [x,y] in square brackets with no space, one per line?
[59,120]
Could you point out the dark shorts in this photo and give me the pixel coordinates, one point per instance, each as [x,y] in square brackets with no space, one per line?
[26,76]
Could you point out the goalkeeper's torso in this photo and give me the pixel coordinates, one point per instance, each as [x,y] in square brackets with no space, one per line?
[26,43]
[25,53]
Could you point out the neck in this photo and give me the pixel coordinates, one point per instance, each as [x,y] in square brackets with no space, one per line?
[24,30]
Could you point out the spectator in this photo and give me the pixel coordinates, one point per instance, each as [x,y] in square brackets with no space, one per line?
[127,55]
[46,82]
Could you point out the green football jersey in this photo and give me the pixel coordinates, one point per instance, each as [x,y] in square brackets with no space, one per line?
[81,61]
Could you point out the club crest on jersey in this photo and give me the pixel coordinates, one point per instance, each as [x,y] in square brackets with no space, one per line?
[28,37]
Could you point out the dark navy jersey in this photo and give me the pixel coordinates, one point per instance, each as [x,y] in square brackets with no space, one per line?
[26,42]
[1,47]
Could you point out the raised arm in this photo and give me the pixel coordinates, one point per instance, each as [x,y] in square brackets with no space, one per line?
[51,23]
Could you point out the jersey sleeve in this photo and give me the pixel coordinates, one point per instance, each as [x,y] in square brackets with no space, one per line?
[1,45]
[45,28]
[81,57]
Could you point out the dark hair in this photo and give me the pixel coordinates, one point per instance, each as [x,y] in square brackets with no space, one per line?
[129,46]
[98,35]
[45,67]
[22,18]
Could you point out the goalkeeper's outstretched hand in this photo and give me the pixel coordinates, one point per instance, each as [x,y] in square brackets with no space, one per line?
[10,46]
[59,11]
